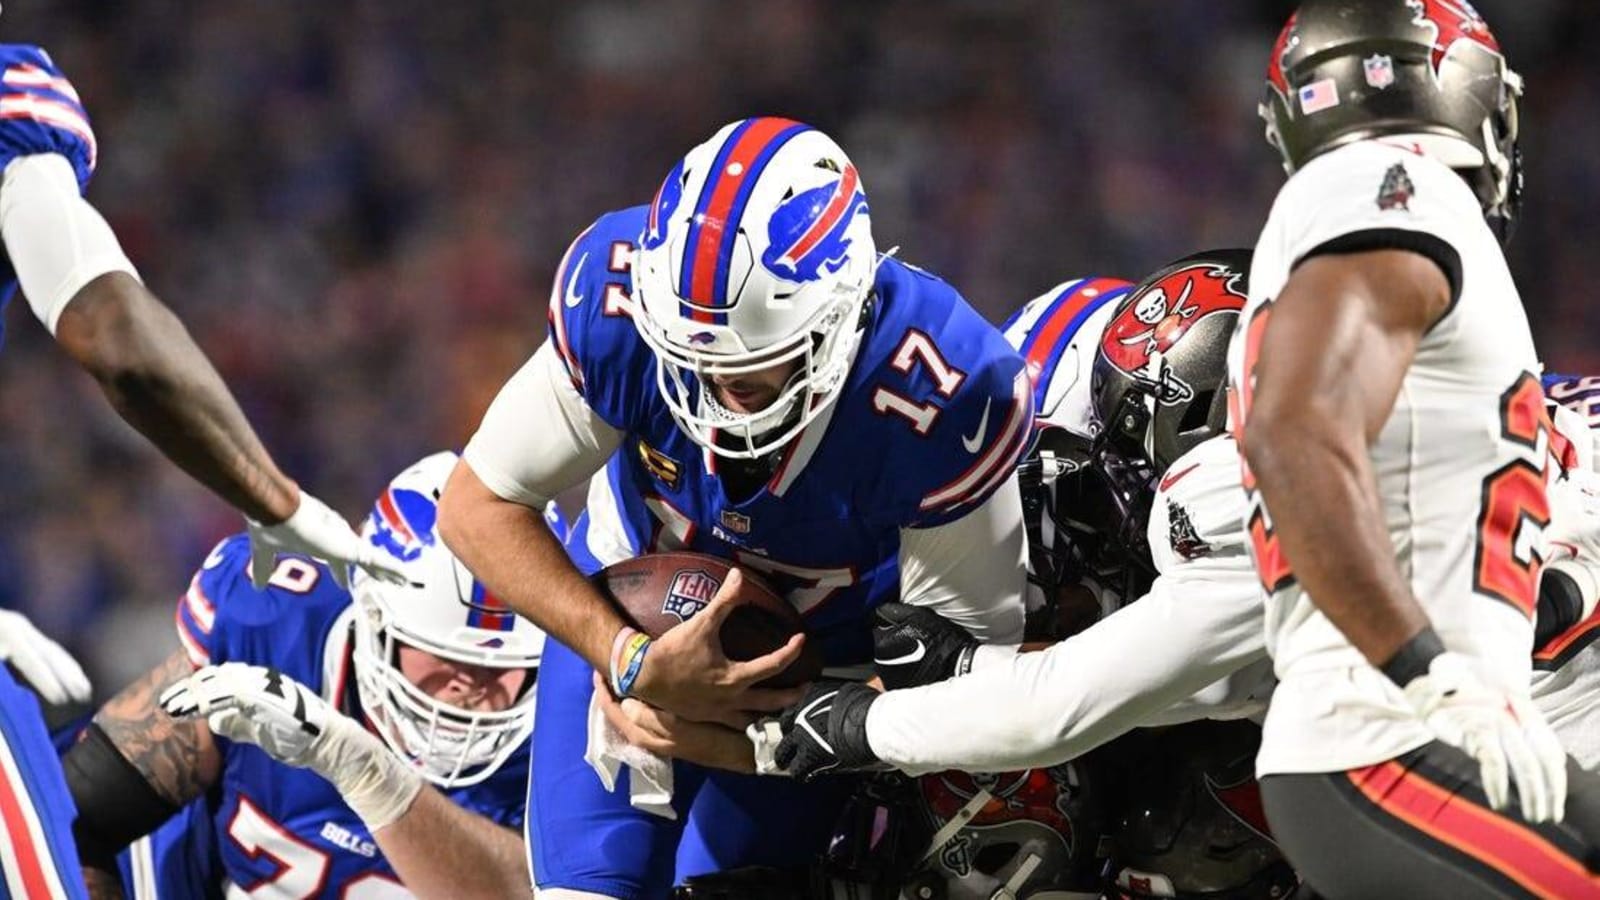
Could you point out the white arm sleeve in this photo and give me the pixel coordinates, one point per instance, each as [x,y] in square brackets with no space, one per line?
[1044,708]
[539,437]
[972,571]
[55,240]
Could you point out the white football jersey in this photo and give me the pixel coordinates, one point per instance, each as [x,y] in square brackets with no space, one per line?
[1460,462]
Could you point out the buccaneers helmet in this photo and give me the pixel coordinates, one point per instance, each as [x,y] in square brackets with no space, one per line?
[1428,72]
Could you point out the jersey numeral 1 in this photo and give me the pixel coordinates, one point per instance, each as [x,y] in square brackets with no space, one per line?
[916,347]
[1512,494]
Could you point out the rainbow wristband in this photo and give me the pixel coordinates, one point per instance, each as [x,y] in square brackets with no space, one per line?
[627,658]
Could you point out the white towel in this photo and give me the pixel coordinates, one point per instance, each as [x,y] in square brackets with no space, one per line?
[650,784]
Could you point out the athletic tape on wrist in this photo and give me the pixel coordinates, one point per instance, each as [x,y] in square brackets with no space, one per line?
[1411,661]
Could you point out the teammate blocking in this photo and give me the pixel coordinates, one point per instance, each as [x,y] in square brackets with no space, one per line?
[336,740]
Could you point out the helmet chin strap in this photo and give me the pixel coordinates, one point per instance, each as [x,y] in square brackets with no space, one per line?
[957,822]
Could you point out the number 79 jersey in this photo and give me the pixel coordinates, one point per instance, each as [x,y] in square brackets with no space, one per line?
[932,420]
[1460,462]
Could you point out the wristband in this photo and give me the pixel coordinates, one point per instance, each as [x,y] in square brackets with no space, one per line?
[627,657]
[1411,661]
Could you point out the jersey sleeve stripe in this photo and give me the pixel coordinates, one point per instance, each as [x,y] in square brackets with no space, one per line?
[199,606]
[30,75]
[997,459]
[50,112]
[193,647]
[29,867]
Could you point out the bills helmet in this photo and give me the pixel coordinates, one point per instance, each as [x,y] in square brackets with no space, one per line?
[1428,72]
[444,611]
[1066,507]
[757,252]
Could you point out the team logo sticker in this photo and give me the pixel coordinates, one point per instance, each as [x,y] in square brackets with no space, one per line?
[402,522]
[1397,190]
[806,235]
[691,591]
[1158,317]
[1379,70]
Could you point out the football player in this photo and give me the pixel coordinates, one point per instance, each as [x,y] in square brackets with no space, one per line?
[759,383]
[315,718]
[81,286]
[1396,448]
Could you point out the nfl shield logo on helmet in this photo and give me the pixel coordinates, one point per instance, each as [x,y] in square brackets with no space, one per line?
[1379,69]
[689,593]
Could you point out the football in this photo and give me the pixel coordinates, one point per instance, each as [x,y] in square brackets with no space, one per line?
[658,591]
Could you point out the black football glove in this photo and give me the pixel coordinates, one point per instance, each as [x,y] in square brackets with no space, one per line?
[827,731]
[913,645]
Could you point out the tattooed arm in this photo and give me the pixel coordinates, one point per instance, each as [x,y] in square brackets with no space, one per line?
[134,767]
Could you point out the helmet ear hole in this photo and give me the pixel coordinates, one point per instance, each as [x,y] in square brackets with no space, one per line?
[993,857]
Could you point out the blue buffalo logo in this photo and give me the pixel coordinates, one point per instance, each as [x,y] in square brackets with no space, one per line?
[806,236]
[662,208]
[402,522]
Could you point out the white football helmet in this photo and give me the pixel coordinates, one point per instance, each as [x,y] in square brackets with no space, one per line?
[758,251]
[448,613]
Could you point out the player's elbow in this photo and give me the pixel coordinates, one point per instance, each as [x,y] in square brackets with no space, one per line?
[119,333]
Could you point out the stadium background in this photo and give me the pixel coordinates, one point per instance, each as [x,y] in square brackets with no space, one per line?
[357,207]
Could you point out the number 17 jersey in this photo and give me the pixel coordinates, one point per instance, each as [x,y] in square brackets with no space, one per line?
[932,419]
[1460,462]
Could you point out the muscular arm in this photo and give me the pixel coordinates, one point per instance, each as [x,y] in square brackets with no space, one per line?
[177,759]
[538,438]
[84,289]
[1333,355]
[441,850]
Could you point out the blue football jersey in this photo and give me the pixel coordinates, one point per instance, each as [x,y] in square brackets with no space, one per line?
[39,113]
[275,824]
[931,421]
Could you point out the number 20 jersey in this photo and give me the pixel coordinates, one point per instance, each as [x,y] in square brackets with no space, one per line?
[1460,462]
[932,419]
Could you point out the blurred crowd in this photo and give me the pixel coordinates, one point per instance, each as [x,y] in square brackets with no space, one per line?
[357,206]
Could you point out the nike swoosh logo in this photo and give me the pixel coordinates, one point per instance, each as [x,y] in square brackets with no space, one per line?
[573,297]
[913,656]
[973,443]
[805,719]
[1171,478]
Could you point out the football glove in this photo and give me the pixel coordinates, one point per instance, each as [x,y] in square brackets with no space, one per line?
[262,706]
[315,530]
[827,731]
[41,662]
[913,645]
[1504,732]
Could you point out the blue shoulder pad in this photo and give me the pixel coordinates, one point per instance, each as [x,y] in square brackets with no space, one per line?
[40,112]
[590,319]
[222,617]
[959,391]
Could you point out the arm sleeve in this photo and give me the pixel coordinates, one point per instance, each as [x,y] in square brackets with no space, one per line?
[1041,709]
[973,570]
[539,437]
[55,240]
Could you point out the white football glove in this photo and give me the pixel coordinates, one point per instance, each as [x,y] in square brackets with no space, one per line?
[42,662]
[1504,732]
[315,530]
[265,707]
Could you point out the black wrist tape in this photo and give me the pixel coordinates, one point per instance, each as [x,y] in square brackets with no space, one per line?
[1412,659]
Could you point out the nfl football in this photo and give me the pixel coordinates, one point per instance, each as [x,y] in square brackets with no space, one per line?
[660,590]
